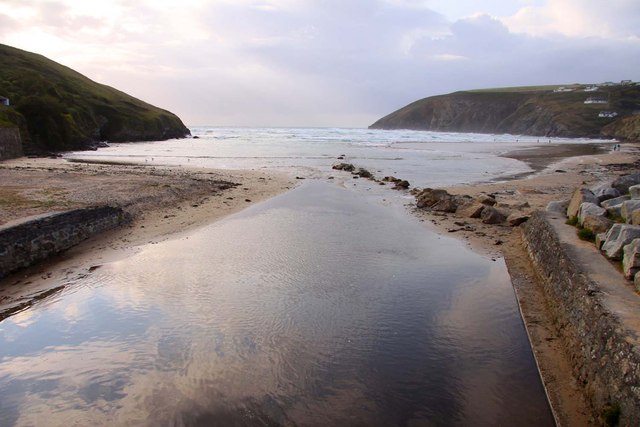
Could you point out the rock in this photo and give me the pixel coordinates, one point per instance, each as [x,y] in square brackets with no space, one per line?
[636,281]
[612,202]
[363,173]
[390,179]
[558,206]
[631,259]
[635,217]
[401,185]
[627,209]
[597,224]
[623,183]
[430,196]
[634,191]
[590,210]
[605,192]
[515,219]
[617,237]
[600,238]
[486,200]
[491,215]
[471,210]
[580,196]
[344,167]
[446,205]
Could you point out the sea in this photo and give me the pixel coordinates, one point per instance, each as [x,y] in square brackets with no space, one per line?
[328,305]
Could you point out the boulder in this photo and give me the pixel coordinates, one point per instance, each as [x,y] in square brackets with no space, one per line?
[615,201]
[363,173]
[623,183]
[636,281]
[430,196]
[486,200]
[597,224]
[491,215]
[634,191]
[471,210]
[631,259]
[580,196]
[617,237]
[588,210]
[605,192]
[558,206]
[600,238]
[402,184]
[446,205]
[515,219]
[628,208]
[635,218]
[344,167]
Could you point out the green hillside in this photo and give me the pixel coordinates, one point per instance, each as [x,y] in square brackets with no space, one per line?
[60,109]
[535,110]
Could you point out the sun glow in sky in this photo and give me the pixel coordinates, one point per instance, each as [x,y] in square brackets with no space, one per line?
[324,62]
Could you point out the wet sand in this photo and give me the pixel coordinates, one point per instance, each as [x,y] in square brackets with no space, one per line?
[163,201]
[555,179]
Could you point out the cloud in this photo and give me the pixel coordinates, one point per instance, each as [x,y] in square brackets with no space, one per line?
[331,62]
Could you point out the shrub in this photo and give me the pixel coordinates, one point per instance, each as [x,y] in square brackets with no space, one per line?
[573,220]
[586,234]
[611,415]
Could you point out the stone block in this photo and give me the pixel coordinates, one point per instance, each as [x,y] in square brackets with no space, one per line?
[471,210]
[623,183]
[612,202]
[515,219]
[635,217]
[634,191]
[631,259]
[597,224]
[590,210]
[636,281]
[580,196]
[627,209]
[617,237]
[600,238]
[605,192]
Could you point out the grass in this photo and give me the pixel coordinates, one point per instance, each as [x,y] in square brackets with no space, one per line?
[522,88]
[62,109]
[586,234]
[572,221]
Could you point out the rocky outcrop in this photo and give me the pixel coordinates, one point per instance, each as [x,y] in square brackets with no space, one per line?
[10,143]
[542,112]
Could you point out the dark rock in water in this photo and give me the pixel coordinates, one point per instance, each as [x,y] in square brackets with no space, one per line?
[561,171]
[623,183]
[430,196]
[491,215]
[401,185]
[390,179]
[340,157]
[363,173]
[196,137]
[348,167]
[300,177]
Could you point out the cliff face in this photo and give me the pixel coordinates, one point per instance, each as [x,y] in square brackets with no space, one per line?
[57,108]
[529,112]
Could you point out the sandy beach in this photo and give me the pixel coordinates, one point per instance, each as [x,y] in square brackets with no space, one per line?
[168,201]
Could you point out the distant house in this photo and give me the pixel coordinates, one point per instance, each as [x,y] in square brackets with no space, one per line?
[4,101]
[608,84]
[607,114]
[564,89]
[592,100]
[591,88]
[625,82]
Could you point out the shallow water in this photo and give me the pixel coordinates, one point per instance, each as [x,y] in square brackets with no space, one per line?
[426,159]
[317,307]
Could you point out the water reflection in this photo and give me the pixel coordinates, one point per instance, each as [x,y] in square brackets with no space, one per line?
[315,308]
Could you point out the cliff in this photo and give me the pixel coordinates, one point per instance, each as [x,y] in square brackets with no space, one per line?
[57,108]
[536,111]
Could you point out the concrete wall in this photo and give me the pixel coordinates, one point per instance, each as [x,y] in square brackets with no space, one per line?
[24,244]
[596,333]
[10,144]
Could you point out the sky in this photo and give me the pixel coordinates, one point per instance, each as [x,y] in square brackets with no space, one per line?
[329,63]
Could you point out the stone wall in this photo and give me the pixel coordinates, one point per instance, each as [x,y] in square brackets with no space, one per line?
[24,244]
[10,143]
[604,353]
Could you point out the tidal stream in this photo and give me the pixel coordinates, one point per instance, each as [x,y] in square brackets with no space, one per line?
[318,307]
